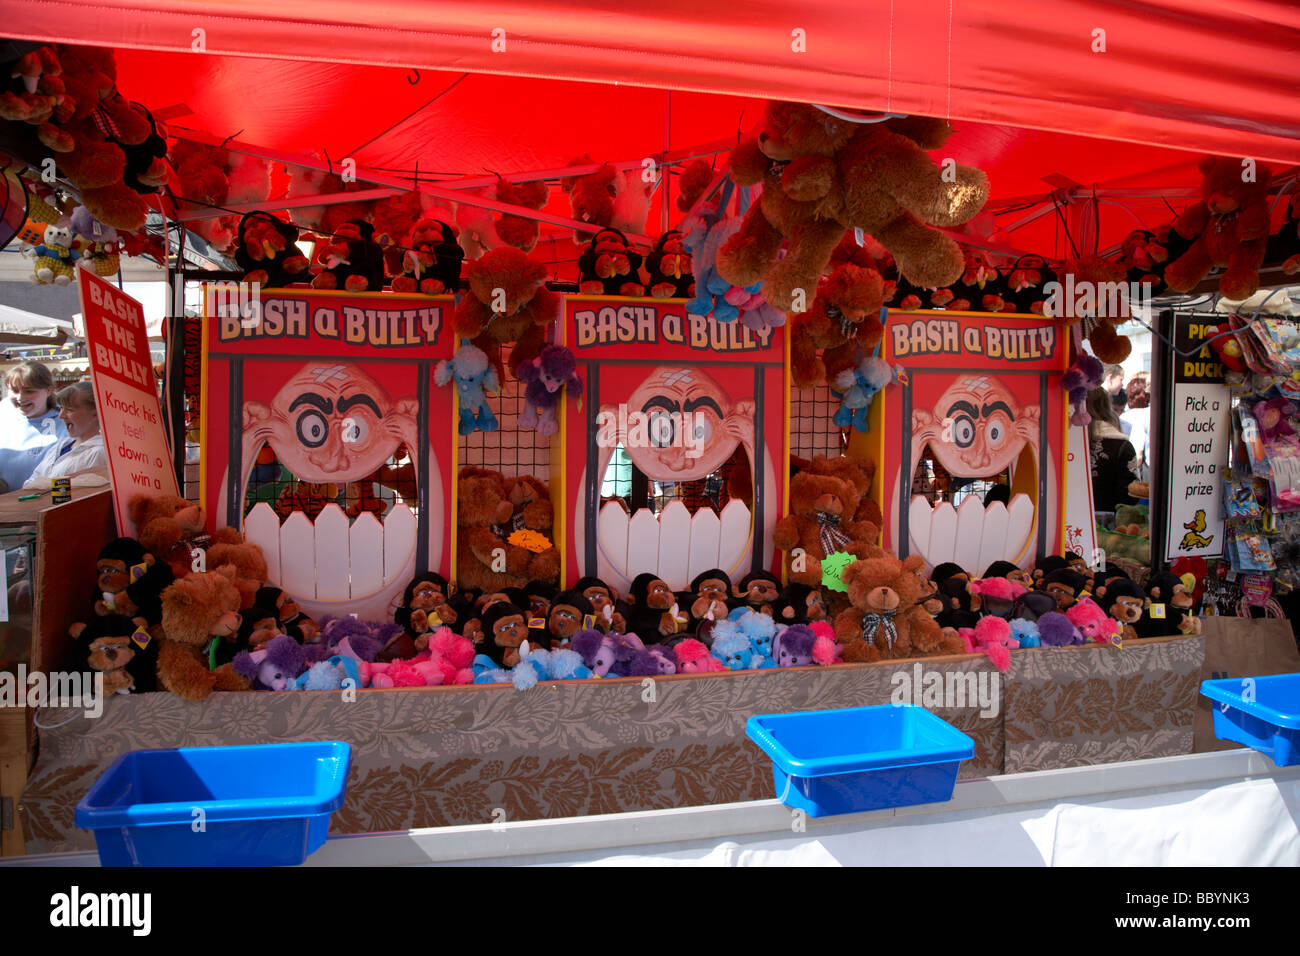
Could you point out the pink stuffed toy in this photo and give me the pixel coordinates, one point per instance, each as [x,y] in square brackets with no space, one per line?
[992,635]
[694,658]
[826,650]
[1093,623]
[997,594]
[405,674]
[451,654]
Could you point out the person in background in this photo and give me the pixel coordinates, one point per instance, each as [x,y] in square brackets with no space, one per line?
[1138,417]
[1112,455]
[32,424]
[1119,402]
[1113,379]
[81,455]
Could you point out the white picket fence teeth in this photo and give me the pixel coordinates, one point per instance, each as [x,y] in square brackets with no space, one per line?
[674,544]
[970,535]
[332,558]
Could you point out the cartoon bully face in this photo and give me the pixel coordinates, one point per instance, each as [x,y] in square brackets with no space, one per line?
[977,428]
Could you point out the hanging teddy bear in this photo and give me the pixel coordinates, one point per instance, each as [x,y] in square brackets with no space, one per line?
[545,378]
[55,256]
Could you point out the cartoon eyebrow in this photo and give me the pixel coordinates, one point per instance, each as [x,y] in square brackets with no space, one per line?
[311,398]
[703,401]
[966,407]
[366,400]
[660,401]
[989,409]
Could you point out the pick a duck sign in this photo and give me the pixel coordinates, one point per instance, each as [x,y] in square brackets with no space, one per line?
[674,461]
[325,440]
[981,403]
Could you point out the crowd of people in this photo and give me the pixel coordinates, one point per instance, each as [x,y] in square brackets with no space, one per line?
[47,433]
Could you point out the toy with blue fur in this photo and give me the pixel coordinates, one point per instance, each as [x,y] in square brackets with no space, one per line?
[1026,632]
[474,377]
[857,387]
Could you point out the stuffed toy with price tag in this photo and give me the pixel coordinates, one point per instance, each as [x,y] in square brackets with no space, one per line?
[120,649]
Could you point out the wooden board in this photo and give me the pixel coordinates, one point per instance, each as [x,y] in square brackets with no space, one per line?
[298,550]
[642,543]
[399,543]
[262,528]
[919,514]
[17,751]
[943,533]
[994,538]
[970,526]
[1020,524]
[332,546]
[366,546]
[706,529]
[733,539]
[68,541]
[674,545]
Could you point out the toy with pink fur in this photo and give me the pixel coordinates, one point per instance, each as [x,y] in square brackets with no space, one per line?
[992,636]
[694,658]
[826,650]
[1094,624]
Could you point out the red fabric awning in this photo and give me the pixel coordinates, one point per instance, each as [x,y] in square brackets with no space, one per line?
[1205,75]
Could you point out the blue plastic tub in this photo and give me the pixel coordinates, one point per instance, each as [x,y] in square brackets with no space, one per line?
[1270,722]
[264,805]
[826,762]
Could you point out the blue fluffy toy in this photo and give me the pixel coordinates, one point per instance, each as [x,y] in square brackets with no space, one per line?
[474,377]
[856,389]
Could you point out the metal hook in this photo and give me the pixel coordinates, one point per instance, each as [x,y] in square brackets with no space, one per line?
[416,74]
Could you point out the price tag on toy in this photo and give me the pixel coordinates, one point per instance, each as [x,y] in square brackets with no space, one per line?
[536,622]
[588,621]
[141,637]
[1156,612]
[533,541]
[833,570]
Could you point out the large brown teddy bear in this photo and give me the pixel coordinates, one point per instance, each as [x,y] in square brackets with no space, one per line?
[194,611]
[844,315]
[859,472]
[820,522]
[250,568]
[507,302]
[533,511]
[1230,228]
[483,510]
[822,175]
[169,527]
[885,620]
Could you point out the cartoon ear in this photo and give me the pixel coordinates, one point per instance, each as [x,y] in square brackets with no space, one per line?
[256,415]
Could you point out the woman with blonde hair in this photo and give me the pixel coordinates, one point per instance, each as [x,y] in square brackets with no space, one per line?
[82,455]
[30,433]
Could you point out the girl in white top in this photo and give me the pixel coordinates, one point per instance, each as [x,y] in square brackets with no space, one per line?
[30,422]
[82,453]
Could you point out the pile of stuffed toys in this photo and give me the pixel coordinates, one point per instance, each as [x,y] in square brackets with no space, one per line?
[167,619]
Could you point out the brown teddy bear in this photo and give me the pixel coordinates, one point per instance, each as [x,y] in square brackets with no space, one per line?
[533,511]
[250,568]
[591,197]
[196,610]
[859,472]
[820,522]
[844,316]
[1096,272]
[169,527]
[885,621]
[484,559]
[1229,227]
[822,175]
[507,302]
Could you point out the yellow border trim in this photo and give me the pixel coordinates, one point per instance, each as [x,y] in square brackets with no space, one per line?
[203,393]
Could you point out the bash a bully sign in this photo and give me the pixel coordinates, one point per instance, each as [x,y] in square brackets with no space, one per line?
[983,401]
[684,400]
[316,397]
[139,458]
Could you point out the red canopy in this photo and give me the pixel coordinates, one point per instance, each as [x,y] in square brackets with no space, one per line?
[1043,95]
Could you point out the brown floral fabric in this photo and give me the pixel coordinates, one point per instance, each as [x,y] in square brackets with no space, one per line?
[462,755]
[1075,706]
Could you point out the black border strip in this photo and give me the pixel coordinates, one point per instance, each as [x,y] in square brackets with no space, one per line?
[902,547]
[593,480]
[1042,472]
[422,386]
[756,466]
[235,439]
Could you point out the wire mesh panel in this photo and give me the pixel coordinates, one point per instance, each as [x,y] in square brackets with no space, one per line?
[811,430]
[511,450]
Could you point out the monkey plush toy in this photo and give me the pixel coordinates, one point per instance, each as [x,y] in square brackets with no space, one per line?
[653,602]
[569,613]
[1125,602]
[1172,598]
[121,562]
[759,591]
[121,650]
[611,613]
[709,597]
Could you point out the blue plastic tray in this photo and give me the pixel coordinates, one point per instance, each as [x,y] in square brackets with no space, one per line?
[264,805]
[1270,723]
[826,762]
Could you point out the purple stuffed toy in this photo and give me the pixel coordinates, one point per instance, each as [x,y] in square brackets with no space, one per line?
[651,662]
[274,666]
[1057,630]
[546,376]
[793,647]
[1081,377]
[349,637]
[608,655]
